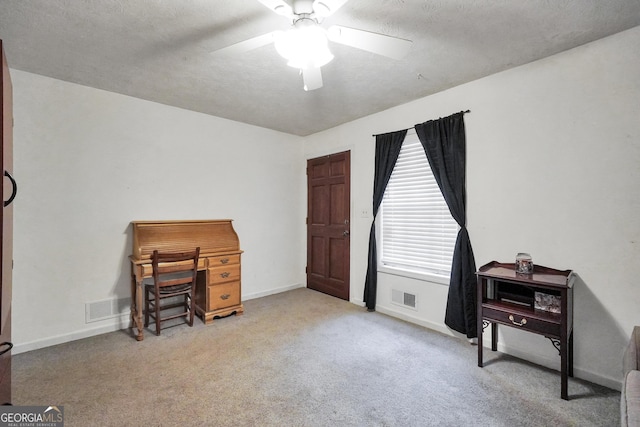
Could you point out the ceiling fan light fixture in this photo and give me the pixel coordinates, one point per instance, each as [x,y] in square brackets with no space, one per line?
[283,9]
[304,47]
[321,9]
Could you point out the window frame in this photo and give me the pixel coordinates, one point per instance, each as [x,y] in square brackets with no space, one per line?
[417,273]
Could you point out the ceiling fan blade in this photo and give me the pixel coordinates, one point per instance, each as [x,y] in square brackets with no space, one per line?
[247,45]
[278,6]
[380,44]
[324,8]
[312,78]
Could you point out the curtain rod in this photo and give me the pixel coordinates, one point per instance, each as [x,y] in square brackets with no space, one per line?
[376,134]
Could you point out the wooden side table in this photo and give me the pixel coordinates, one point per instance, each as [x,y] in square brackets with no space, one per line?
[522,301]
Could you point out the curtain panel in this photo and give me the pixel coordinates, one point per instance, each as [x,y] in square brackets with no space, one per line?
[387,151]
[444,143]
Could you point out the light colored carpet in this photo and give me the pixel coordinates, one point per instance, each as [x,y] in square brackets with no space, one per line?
[300,358]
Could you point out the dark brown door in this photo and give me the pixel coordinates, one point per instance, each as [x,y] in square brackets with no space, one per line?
[6,214]
[328,227]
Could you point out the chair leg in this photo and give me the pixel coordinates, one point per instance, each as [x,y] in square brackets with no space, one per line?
[188,304]
[146,307]
[157,307]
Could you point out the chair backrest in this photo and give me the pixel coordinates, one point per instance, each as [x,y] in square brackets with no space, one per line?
[176,268]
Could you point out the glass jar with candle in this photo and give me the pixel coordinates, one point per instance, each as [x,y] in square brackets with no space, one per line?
[524,263]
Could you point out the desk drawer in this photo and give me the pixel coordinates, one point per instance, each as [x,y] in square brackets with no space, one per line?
[224,274]
[540,324]
[222,296]
[224,260]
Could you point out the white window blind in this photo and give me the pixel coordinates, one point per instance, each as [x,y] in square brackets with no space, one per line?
[418,232]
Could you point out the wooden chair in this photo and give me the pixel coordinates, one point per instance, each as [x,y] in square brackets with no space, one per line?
[174,275]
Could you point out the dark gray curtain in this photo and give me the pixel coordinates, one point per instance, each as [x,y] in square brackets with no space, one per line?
[387,150]
[445,145]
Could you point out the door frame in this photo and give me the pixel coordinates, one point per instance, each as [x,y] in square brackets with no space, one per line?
[345,291]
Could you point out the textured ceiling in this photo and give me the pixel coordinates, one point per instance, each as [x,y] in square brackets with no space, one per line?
[159,50]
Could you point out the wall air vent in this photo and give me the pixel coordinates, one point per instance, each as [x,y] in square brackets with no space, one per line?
[106,309]
[404,299]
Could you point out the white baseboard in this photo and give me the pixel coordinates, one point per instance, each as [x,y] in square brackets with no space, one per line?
[122,322]
[272,291]
[438,327]
[115,324]
[578,372]
[357,301]
[554,363]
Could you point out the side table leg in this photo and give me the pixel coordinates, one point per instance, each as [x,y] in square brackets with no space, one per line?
[571,354]
[564,382]
[480,285]
[480,342]
[494,336]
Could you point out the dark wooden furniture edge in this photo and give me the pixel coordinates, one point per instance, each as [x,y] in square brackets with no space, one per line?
[557,327]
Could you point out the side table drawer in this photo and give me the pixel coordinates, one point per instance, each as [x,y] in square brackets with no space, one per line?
[527,321]
[222,296]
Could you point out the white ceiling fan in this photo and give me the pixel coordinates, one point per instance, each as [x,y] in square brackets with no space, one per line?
[305,45]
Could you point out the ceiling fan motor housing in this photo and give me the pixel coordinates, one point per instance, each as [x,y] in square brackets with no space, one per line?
[302,6]
[305,21]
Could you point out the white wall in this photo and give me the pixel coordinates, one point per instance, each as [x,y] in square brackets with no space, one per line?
[88,162]
[553,169]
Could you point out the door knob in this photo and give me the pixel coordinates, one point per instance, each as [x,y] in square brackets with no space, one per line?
[345,233]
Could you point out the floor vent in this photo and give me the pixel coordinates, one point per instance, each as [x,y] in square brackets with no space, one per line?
[106,309]
[403,298]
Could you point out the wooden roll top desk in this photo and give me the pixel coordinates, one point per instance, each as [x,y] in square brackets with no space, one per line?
[218,291]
